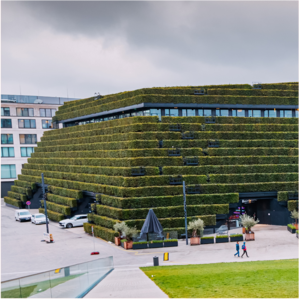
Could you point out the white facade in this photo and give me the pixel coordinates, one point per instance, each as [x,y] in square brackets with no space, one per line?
[16,130]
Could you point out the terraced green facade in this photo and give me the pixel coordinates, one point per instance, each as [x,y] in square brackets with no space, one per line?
[254,154]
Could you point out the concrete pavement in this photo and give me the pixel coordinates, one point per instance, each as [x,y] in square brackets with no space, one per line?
[126,283]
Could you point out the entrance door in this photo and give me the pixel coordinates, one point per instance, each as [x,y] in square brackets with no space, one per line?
[264,211]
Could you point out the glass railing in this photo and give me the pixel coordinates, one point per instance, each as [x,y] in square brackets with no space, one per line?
[68,282]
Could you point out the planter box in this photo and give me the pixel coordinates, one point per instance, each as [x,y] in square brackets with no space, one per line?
[156,245]
[207,241]
[118,241]
[128,245]
[139,246]
[195,241]
[250,237]
[291,230]
[235,239]
[222,240]
[170,244]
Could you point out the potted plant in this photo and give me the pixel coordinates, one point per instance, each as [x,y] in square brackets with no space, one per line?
[236,237]
[140,245]
[207,240]
[295,215]
[291,228]
[222,239]
[156,244]
[195,225]
[170,242]
[128,232]
[119,227]
[248,222]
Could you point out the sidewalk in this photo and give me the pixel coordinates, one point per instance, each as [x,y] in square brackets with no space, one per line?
[126,283]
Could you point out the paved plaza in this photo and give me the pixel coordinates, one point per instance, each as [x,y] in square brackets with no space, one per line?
[23,254]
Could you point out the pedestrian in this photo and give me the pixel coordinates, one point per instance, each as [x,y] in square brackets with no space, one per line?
[237,247]
[244,249]
[254,216]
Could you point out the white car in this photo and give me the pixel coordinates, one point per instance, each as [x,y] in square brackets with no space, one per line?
[38,219]
[77,220]
[22,215]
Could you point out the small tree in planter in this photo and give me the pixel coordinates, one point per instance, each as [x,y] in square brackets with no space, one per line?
[119,227]
[129,232]
[295,215]
[248,222]
[195,225]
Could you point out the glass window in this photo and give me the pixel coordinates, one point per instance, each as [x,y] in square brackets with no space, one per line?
[26,151]
[46,123]
[238,113]
[188,112]
[8,171]
[6,123]
[254,113]
[207,112]
[7,139]
[5,111]
[28,138]
[146,112]
[222,112]
[53,112]
[47,112]
[200,112]
[297,113]
[171,112]
[25,112]
[285,113]
[270,113]
[156,112]
[7,152]
[27,123]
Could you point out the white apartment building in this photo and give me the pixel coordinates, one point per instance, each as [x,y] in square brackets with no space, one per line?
[24,119]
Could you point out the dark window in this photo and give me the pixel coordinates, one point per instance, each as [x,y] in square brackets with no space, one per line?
[28,139]
[7,152]
[5,111]
[8,171]
[25,112]
[46,123]
[6,123]
[7,139]
[26,151]
[27,123]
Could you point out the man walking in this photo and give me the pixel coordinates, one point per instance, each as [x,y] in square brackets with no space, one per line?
[244,249]
[237,247]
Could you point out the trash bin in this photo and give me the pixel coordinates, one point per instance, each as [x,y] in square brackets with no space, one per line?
[155,261]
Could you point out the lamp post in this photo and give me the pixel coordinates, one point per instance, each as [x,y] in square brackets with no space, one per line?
[185,213]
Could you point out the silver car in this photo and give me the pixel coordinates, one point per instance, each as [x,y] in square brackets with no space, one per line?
[38,219]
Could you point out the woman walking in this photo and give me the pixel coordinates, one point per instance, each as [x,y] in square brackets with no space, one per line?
[244,249]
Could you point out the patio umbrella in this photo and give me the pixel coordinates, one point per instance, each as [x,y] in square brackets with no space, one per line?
[151,224]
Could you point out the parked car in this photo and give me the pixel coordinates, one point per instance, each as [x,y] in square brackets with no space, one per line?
[77,220]
[38,219]
[22,215]
[222,230]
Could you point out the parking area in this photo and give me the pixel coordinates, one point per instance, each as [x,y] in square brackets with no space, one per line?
[23,253]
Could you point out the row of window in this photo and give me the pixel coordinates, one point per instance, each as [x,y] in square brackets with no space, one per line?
[8,171]
[24,139]
[26,123]
[197,112]
[8,152]
[44,112]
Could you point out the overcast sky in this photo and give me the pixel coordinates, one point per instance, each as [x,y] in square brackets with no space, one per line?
[49,48]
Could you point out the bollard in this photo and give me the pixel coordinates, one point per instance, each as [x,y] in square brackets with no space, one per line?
[155,261]
[166,256]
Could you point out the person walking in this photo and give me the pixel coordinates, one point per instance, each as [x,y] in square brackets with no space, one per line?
[237,247]
[244,249]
